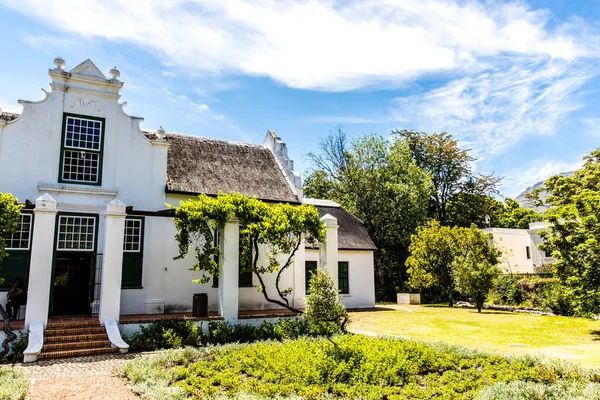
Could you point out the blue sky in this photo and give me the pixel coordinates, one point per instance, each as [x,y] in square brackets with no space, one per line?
[517,82]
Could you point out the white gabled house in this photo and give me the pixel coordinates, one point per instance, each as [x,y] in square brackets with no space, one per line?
[96,237]
[519,247]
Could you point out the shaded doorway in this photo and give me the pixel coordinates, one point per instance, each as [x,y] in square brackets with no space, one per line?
[71,284]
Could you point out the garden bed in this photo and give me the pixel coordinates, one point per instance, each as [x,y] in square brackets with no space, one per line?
[355,367]
[13,384]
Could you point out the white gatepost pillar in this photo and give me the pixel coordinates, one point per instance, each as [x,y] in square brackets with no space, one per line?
[229,262]
[42,254]
[328,251]
[112,262]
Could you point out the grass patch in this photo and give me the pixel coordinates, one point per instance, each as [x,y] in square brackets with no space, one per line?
[13,384]
[357,367]
[574,339]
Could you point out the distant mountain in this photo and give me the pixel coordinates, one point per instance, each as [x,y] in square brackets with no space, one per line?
[525,202]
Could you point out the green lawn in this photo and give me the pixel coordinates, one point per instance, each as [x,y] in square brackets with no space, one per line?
[573,339]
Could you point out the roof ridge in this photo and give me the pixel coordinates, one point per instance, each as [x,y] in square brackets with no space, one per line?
[197,137]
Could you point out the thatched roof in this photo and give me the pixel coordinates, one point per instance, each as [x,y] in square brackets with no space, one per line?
[201,165]
[8,116]
[352,234]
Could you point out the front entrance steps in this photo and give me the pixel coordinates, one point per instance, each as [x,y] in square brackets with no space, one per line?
[75,339]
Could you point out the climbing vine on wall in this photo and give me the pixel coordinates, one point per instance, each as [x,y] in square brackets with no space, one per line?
[277,229]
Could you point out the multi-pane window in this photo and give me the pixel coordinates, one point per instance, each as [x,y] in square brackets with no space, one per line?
[132,240]
[82,149]
[343,283]
[21,239]
[133,253]
[76,233]
[310,268]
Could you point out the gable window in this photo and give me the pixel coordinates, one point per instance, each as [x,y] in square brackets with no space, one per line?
[16,264]
[343,283]
[133,253]
[310,268]
[21,239]
[76,233]
[81,150]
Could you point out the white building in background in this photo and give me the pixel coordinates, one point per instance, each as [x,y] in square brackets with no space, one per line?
[519,247]
[96,237]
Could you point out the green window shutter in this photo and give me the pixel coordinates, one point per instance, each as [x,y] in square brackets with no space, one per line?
[245,266]
[310,268]
[343,284]
[133,253]
[16,265]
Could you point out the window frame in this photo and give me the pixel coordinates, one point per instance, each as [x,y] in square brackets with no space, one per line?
[134,254]
[64,148]
[141,236]
[29,237]
[77,215]
[347,292]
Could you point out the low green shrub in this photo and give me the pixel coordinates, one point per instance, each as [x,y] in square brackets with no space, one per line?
[545,293]
[13,384]
[506,291]
[168,334]
[357,367]
[520,390]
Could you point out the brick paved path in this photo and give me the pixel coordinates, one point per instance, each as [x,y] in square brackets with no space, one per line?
[87,378]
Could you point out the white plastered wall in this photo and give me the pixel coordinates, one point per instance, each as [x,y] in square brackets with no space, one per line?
[513,244]
[361,278]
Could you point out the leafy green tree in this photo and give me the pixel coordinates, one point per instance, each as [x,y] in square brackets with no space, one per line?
[318,186]
[375,179]
[475,264]
[457,193]
[473,202]
[516,217]
[10,216]
[279,228]
[573,236]
[325,313]
[438,254]
[432,253]
[574,240]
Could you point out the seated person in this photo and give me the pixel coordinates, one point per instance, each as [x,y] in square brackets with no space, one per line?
[16,297]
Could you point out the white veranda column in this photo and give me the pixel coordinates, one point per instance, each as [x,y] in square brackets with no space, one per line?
[328,251]
[42,253]
[299,277]
[229,270]
[112,262]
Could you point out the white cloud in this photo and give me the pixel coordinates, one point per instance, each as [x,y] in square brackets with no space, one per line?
[321,44]
[166,73]
[219,117]
[493,111]
[517,180]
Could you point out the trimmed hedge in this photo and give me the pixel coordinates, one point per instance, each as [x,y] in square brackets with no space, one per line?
[169,334]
